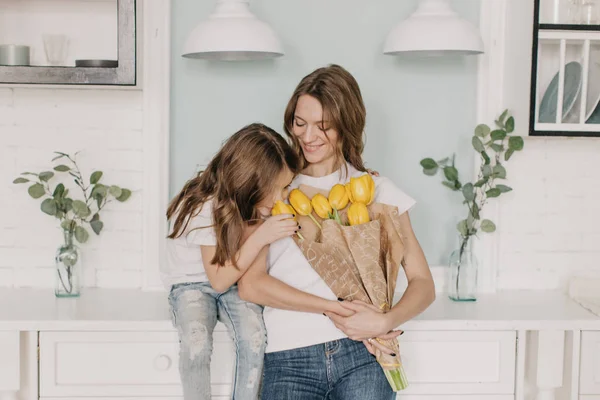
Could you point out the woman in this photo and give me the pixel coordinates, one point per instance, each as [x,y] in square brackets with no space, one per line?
[312,352]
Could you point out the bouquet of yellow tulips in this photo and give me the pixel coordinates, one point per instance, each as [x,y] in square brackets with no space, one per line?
[356,246]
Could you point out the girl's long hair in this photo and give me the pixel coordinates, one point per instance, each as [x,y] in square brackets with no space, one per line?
[237,179]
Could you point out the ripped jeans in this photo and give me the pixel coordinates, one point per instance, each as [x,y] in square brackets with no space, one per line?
[196,307]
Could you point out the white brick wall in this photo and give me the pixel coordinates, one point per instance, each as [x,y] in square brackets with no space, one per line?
[106,125]
[549,226]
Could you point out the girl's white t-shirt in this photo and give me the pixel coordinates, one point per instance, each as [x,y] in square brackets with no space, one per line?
[292,329]
[184,258]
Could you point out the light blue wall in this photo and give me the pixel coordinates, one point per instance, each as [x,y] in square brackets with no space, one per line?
[415,108]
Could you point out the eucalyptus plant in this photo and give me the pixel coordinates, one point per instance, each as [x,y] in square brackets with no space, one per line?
[494,147]
[74,215]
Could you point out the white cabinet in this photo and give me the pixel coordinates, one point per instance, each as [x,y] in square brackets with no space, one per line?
[117,364]
[589,372]
[79,364]
[459,363]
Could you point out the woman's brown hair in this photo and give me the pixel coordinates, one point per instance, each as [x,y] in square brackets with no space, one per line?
[339,95]
[237,179]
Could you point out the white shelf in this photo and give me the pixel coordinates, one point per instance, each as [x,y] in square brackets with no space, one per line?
[129,309]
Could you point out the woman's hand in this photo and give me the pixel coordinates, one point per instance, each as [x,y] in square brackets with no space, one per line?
[371,172]
[373,346]
[366,322]
[336,308]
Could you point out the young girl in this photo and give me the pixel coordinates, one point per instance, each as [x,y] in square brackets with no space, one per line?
[219,226]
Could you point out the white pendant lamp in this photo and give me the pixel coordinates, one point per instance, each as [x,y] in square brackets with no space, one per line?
[232,33]
[434,29]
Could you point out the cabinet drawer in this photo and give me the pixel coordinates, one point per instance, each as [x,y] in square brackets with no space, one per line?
[122,364]
[589,372]
[459,362]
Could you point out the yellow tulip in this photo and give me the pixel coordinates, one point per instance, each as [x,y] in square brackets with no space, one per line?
[362,189]
[302,205]
[281,208]
[338,198]
[358,214]
[321,206]
[349,192]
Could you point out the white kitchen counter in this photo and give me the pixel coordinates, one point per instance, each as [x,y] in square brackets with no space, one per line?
[135,310]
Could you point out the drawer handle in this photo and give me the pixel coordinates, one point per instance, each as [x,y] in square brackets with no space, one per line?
[162,362]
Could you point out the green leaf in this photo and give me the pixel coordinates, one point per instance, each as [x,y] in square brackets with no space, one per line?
[515,143]
[49,207]
[499,171]
[96,225]
[482,130]
[488,226]
[462,227]
[503,188]
[36,190]
[503,116]
[21,180]
[450,185]
[481,182]
[99,190]
[66,224]
[46,175]
[81,209]
[468,192]
[68,203]
[477,145]
[428,163]
[29,173]
[487,171]
[59,190]
[457,185]
[430,172]
[498,148]
[498,134]
[451,173]
[95,177]
[486,158]
[60,155]
[81,234]
[510,124]
[508,154]
[475,211]
[62,168]
[493,192]
[115,191]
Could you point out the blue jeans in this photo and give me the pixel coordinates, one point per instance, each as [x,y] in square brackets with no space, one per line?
[338,370]
[196,307]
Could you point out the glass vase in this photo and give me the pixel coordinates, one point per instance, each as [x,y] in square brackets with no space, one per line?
[462,272]
[68,268]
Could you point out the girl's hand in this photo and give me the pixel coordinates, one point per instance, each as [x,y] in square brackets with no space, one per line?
[366,322]
[371,172]
[275,228]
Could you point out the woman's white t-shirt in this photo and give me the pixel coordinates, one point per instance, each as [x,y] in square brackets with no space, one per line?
[184,258]
[292,329]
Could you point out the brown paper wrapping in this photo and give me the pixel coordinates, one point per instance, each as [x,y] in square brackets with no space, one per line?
[358,262]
